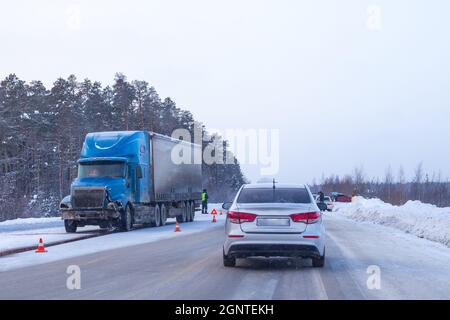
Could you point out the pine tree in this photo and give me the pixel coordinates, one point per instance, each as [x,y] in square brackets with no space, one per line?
[122,103]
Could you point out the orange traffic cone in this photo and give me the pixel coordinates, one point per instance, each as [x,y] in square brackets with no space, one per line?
[220,212]
[214,212]
[177,227]
[214,219]
[41,248]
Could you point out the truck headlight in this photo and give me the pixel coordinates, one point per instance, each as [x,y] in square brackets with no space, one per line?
[65,203]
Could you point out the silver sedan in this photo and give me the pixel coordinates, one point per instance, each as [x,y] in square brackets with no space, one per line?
[274,220]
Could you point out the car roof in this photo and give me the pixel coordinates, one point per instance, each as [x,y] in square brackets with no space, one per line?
[270,185]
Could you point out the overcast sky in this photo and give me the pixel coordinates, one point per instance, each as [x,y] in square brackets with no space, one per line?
[344,85]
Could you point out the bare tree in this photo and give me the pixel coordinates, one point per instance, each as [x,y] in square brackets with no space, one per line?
[388,184]
[359,178]
[417,181]
[400,197]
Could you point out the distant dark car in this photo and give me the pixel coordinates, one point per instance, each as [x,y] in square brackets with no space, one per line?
[342,198]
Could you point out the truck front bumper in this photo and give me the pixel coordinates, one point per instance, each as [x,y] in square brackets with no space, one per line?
[89,214]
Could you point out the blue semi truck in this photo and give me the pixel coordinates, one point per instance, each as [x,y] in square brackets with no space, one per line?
[129,177]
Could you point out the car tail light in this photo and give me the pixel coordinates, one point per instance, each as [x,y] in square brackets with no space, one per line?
[241,217]
[307,217]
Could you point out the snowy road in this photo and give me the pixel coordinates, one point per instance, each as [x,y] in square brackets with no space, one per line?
[190,267]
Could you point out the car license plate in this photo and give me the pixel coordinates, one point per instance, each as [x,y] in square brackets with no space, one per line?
[277,222]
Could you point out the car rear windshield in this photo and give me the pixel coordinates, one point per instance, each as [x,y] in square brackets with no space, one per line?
[101,169]
[279,195]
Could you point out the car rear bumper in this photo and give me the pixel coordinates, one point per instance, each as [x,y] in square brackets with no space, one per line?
[310,243]
[244,250]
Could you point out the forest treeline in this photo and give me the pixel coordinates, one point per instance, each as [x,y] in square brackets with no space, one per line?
[42,131]
[393,188]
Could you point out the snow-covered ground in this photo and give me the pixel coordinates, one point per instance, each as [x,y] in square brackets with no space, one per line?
[25,233]
[93,245]
[28,238]
[417,218]
[30,223]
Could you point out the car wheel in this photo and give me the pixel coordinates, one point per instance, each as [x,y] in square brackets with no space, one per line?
[228,261]
[126,219]
[163,215]
[70,226]
[319,262]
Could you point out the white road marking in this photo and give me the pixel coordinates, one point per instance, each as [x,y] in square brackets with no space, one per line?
[318,283]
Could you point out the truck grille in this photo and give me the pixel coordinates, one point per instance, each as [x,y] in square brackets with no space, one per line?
[88,198]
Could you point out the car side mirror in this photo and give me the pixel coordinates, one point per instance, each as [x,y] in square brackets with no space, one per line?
[226,206]
[322,206]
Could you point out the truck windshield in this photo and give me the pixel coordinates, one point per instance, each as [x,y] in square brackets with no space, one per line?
[280,195]
[101,169]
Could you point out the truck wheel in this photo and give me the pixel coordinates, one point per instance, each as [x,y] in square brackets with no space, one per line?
[183,217]
[189,216]
[163,215]
[126,219]
[70,226]
[157,218]
[188,211]
[192,206]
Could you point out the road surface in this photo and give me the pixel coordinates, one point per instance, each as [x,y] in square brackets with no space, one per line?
[190,267]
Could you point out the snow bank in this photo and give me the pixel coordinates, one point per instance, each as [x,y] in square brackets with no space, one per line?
[30,223]
[423,220]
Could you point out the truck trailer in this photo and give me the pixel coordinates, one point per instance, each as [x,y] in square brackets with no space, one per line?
[129,177]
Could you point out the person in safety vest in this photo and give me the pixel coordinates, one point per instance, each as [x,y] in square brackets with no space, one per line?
[204,202]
